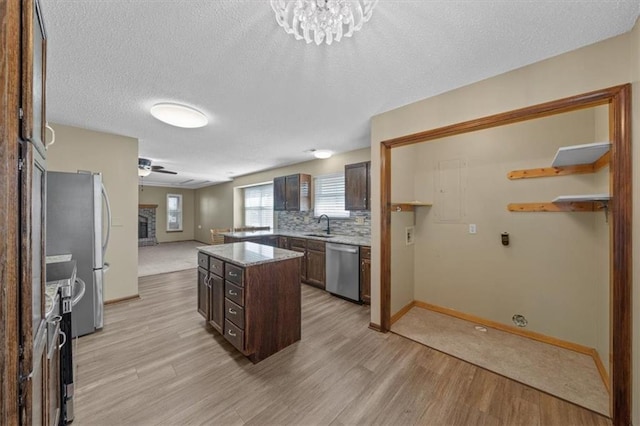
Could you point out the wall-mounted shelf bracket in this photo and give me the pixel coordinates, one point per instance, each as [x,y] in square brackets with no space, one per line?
[408,206]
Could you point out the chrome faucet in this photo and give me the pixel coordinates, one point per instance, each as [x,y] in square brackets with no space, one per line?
[328,226]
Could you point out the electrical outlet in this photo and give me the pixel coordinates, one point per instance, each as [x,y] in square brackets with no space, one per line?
[409,235]
[359,220]
[472,228]
[307,219]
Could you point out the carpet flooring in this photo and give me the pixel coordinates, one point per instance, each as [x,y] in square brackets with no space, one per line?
[168,257]
[560,372]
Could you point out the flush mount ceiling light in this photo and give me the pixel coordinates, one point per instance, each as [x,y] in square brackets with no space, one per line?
[322,153]
[179,115]
[322,20]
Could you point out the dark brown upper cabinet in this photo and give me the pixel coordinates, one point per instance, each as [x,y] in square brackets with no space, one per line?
[34,54]
[292,193]
[357,184]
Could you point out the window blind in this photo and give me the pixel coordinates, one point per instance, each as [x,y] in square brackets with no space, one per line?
[258,205]
[329,196]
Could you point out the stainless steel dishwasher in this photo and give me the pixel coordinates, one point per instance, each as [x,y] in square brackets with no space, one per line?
[342,271]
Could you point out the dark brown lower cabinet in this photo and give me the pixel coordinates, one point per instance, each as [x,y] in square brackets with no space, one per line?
[315,258]
[203,293]
[216,301]
[300,245]
[365,275]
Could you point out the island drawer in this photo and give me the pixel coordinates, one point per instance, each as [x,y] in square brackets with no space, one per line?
[216,266]
[234,313]
[234,293]
[315,245]
[234,335]
[203,260]
[234,274]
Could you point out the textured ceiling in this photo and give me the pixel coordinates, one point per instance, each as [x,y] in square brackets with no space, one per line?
[269,98]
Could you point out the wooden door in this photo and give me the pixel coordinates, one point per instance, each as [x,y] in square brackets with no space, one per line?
[356,180]
[292,188]
[279,194]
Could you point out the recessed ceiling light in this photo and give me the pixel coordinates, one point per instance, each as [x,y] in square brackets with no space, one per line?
[179,115]
[322,153]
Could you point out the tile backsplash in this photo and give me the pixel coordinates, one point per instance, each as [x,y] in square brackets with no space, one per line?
[305,222]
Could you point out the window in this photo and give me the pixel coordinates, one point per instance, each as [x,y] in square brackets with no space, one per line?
[174,212]
[329,196]
[258,205]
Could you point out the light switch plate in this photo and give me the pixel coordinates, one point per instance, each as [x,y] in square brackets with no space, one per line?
[472,228]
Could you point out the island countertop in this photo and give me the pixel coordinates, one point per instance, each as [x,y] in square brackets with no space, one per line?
[248,254]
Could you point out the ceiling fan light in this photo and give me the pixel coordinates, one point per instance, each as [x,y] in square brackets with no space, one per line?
[179,115]
[142,172]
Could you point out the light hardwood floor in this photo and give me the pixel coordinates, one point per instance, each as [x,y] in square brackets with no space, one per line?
[156,362]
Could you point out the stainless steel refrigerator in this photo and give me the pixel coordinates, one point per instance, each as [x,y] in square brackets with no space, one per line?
[76,204]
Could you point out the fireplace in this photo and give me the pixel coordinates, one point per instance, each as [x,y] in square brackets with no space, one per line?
[143,227]
[147,225]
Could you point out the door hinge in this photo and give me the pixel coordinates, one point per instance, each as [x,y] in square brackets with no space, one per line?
[20,114]
[20,164]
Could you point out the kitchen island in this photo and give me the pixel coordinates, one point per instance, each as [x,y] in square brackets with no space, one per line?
[250,293]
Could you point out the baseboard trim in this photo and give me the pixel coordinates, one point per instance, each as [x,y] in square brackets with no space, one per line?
[507,328]
[122,299]
[395,317]
[603,372]
[375,327]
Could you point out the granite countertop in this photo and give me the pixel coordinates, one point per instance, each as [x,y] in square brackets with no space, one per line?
[335,238]
[249,254]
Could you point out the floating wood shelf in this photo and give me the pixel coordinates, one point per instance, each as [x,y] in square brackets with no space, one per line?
[570,160]
[574,206]
[408,206]
[565,203]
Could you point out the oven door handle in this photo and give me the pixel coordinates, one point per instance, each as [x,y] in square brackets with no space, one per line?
[79,294]
[64,339]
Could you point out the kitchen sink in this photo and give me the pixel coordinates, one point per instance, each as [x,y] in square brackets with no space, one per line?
[320,235]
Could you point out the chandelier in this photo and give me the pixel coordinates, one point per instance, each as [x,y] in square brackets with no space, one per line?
[322,20]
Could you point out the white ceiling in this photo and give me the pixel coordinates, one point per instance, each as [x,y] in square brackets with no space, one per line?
[270,98]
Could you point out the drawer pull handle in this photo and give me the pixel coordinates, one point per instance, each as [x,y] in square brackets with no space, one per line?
[232,311]
[232,274]
[232,334]
[233,293]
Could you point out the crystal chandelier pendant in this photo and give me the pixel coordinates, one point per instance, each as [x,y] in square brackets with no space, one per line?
[322,20]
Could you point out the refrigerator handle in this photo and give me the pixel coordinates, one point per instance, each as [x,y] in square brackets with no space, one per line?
[106,202]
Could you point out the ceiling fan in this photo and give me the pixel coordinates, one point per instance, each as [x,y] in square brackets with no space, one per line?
[145,168]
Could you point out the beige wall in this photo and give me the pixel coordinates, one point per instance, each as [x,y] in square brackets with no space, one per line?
[214,205]
[158,195]
[116,157]
[608,63]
